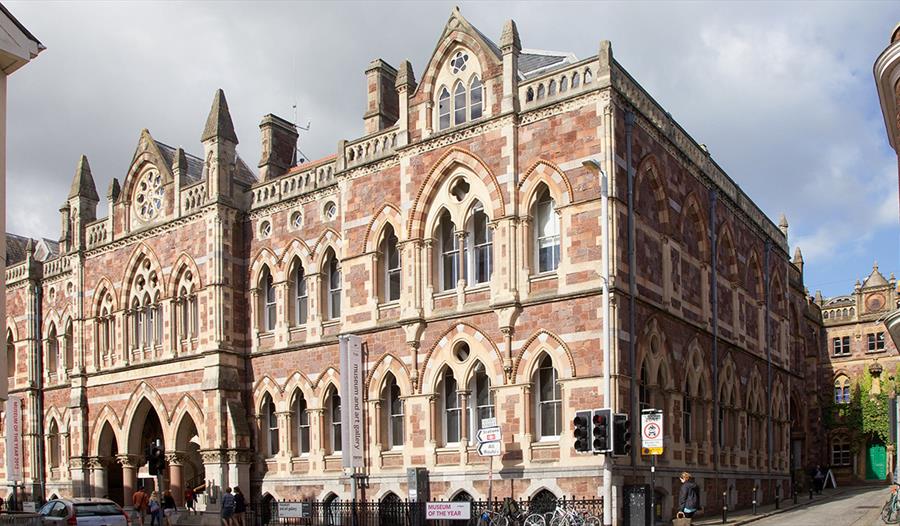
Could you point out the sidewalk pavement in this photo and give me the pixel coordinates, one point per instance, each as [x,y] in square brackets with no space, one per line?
[746,516]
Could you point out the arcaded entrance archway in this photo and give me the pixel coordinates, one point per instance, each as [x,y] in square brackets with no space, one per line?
[145,429]
[186,465]
[106,472]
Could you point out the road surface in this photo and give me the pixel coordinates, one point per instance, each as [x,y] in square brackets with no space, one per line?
[857,507]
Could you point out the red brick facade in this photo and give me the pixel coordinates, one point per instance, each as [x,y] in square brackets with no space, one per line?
[531,329]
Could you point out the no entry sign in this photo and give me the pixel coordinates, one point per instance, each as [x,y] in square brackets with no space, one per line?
[651,432]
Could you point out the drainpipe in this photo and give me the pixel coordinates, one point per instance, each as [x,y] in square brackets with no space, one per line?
[714,293]
[632,286]
[768,358]
[37,419]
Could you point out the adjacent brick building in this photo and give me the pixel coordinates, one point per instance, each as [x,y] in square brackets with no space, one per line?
[460,238]
[861,361]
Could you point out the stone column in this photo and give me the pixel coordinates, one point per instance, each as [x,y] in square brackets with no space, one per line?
[464,419]
[239,470]
[176,475]
[130,465]
[175,331]
[98,476]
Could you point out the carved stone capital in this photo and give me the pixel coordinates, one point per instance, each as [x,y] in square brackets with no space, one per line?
[239,456]
[176,458]
[212,456]
[130,461]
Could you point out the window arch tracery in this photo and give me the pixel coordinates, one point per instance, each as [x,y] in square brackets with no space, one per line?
[146,310]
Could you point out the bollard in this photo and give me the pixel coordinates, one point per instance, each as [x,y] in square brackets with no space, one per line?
[724,507]
[754,500]
[777,497]
[795,496]
[810,492]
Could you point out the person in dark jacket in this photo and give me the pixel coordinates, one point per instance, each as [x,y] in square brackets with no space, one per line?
[240,506]
[689,496]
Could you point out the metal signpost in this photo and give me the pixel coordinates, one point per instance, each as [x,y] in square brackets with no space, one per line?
[488,438]
[652,444]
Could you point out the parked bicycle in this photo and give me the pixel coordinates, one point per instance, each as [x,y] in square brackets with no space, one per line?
[890,513]
[562,515]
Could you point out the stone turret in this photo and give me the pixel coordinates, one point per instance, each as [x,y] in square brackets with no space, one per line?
[80,207]
[783,226]
[382,104]
[219,149]
[510,47]
[405,86]
[798,259]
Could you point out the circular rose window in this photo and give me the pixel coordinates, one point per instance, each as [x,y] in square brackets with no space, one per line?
[149,196]
[458,62]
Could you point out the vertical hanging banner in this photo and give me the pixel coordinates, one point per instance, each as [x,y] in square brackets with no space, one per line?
[14,439]
[351,401]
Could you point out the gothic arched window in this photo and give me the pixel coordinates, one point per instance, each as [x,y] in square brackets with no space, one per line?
[481,405]
[301,424]
[449,249]
[548,410]
[444,108]
[459,104]
[270,423]
[301,299]
[389,259]
[476,99]
[334,419]
[333,275]
[481,239]
[269,307]
[452,414]
[546,222]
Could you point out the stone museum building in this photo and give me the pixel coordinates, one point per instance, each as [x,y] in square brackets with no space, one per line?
[459,236]
[862,363]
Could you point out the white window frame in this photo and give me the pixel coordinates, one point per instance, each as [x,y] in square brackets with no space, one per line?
[334,287]
[444,108]
[555,402]
[334,409]
[476,86]
[388,270]
[545,215]
[460,111]
[270,307]
[271,422]
[450,256]
[478,411]
[448,395]
[395,415]
[301,420]
[476,249]
[301,297]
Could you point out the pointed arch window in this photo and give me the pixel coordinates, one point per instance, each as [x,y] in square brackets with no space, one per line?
[301,424]
[687,418]
[301,299]
[444,108]
[476,96]
[452,408]
[449,262]
[482,399]
[842,390]
[481,237]
[270,423]
[334,419]
[459,104]
[10,356]
[394,413]
[269,308]
[576,80]
[52,351]
[548,415]
[333,274]
[546,232]
[54,445]
[69,346]
[643,389]
[390,265]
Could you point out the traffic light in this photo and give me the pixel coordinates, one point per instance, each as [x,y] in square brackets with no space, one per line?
[602,431]
[156,460]
[582,422]
[621,434]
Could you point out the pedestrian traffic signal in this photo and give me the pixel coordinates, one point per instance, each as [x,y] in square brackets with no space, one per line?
[602,431]
[582,423]
[621,434]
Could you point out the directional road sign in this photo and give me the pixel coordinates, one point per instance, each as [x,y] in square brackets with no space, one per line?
[489,449]
[488,434]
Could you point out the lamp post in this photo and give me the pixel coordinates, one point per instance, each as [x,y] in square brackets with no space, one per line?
[594,165]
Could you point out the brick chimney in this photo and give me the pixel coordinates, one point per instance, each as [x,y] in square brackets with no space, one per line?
[279,144]
[382,107]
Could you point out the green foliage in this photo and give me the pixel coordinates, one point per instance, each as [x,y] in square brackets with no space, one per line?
[866,416]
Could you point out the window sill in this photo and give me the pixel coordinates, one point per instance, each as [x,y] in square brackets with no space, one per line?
[478,287]
[267,334]
[543,276]
[294,329]
[302,458]
[388,305]
[331,323]
[547,442]
[876,351]
[445,294]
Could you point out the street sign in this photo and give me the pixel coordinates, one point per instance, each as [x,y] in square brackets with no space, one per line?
[651,432]
[488,434]
[294,510]
[489,449]
[454,511]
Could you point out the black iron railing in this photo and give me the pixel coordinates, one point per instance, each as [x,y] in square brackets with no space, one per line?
[403,513]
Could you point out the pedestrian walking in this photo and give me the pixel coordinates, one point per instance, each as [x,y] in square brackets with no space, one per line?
[228,508]
[189,497]
[240,506]
[140,501]
[819,479]
[155,509]
[169,508]
[689,496]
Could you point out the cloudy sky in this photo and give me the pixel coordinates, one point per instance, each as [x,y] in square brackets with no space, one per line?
[782,93]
